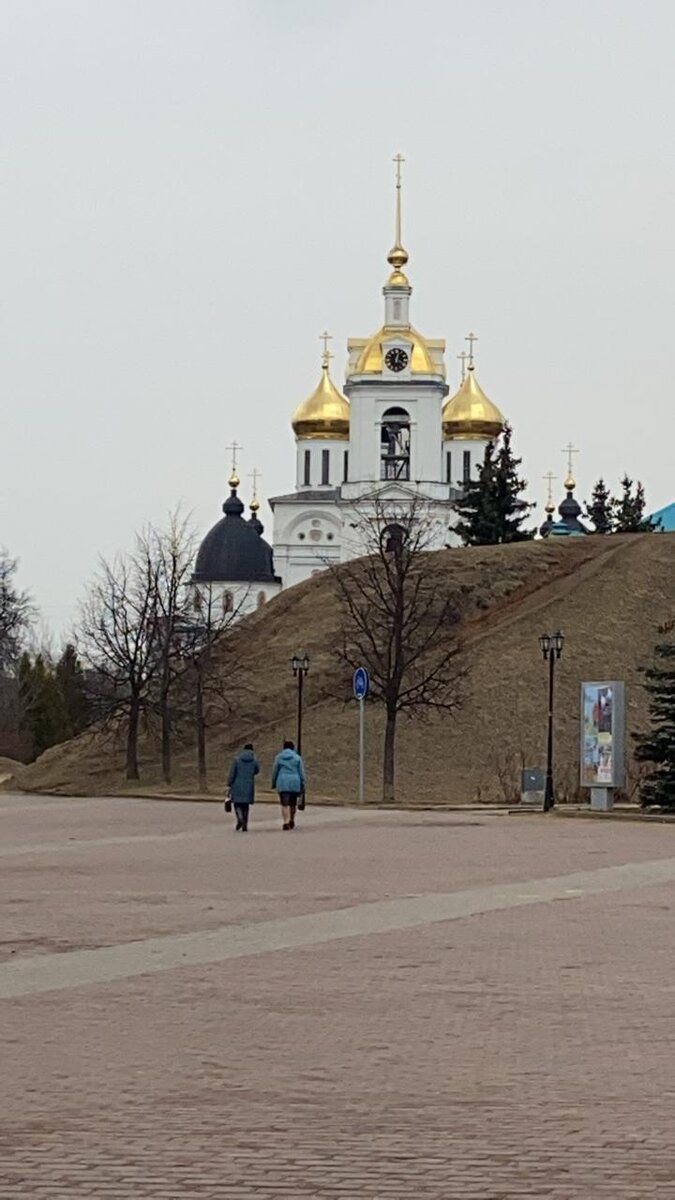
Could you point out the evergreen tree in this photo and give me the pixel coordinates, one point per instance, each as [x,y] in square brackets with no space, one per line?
[70,678]
[43,712]
[600,510]
[629,510]
[657,747]
[491,509]
[477,504]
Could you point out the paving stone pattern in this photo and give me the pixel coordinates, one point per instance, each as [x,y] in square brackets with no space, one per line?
[516,1052]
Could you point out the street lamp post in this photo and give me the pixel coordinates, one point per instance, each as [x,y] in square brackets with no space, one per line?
[551,648]
[300,664]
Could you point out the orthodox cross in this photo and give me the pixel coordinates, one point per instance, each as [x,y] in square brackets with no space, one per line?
[235,448]
[549,477]
[255,475]
[471,339]
[326,337]
[462,358]
[399,160]
[569,450]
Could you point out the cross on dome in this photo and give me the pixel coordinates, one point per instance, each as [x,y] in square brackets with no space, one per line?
[471,338]
[462,358]
[569,450]
[549,477]
[234,480]
[326,356]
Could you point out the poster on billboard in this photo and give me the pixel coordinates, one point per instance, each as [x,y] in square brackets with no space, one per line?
[602,734]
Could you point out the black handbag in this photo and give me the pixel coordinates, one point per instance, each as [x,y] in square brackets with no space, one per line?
[228,805]
[301,802]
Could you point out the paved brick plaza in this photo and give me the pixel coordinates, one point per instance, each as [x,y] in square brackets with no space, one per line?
[378,1005]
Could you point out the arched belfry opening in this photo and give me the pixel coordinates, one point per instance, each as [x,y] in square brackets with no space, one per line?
[395,444]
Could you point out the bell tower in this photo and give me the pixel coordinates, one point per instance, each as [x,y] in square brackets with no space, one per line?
[396,387]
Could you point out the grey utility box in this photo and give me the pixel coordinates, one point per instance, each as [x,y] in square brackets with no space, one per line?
[532,787]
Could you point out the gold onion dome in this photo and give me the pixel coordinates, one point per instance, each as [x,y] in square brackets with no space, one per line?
[324,414]
[469,414]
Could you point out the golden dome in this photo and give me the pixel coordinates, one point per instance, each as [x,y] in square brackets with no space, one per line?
[469,414]
[324,414]
[397,257]
[372,351]
[398,279]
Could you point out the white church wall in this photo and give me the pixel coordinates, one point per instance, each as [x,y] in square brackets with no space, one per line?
[461,466]
[311,461]
[233,597]
[369,403]
[305,539]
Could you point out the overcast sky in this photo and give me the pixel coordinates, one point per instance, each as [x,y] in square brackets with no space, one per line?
[195,189]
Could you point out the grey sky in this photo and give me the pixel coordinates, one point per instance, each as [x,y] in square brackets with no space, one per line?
[194,189]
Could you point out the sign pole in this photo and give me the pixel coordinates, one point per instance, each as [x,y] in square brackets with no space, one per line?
[362,748]
[360,687]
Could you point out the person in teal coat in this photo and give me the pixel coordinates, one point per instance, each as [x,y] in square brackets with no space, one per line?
[288,777]
[241,785]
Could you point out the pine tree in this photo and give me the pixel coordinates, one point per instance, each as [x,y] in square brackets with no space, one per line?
[477,504]
[600,510]
[70,678]
[491,509]
[629,510]
[657,747]
[43,711]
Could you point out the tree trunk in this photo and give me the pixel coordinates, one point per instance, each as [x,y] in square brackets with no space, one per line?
[132,739]
[201,735]
[389,763]
[166,738]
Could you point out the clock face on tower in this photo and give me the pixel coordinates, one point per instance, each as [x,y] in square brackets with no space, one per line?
[396,359]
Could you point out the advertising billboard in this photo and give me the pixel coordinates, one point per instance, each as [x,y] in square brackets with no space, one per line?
[602,734]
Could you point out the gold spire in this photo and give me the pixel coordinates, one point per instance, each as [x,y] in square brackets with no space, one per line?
[234,479]
[398,255]
[549,507]
[325,414]
[570,482]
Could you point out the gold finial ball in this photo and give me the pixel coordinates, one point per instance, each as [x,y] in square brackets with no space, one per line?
[570,483]
[549,507]
[254,505]
[397,257]
[234,480]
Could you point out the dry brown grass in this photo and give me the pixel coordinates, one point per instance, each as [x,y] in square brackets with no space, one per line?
[607,594]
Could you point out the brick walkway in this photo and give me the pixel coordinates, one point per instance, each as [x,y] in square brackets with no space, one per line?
[515,1040]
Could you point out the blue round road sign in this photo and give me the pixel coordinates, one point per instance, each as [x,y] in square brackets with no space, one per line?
[360,683]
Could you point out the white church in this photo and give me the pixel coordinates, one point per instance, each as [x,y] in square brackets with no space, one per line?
[391,435]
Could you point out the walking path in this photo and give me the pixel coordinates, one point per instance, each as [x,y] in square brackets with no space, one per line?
[377,1005]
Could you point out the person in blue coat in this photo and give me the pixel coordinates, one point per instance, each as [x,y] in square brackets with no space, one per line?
[241,785]
[288,777]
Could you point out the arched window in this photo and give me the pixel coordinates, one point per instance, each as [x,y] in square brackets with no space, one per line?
[261,599]
[228,602]
[392,537]
[395,444]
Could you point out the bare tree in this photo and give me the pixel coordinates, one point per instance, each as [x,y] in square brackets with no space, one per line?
[213,684]
[17,613]
[398,619]
[118,639]
[172,552]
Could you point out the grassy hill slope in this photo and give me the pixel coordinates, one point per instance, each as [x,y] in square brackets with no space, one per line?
[608,595]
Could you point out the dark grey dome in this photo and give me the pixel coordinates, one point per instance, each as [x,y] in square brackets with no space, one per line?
[233,551]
